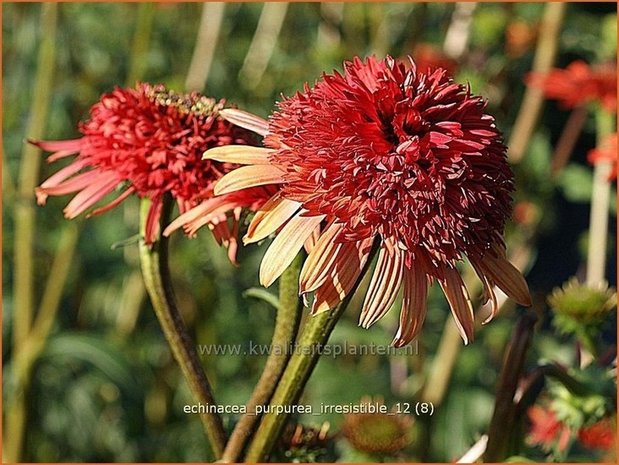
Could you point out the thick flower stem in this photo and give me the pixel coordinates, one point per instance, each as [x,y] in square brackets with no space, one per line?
[504,417]
[307,351]
[286,328]
[154,263]
[315,333]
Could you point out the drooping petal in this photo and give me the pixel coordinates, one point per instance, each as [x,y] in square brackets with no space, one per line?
[151,228]
[249,176]
[68,147]
[413,310]
[343,275]
[310,242]
[233,243]
[319,262]
[271,216]
[497,268]
[383,288]
[286,246]
[489,294]
[114,203]
[459,302]
[241,154]
[74,184]
[246,120]
[104,184]
[203,209]
[64,173]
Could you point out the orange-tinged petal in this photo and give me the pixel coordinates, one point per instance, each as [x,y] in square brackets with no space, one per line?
[497,268]
[383,288]
[203,209]
[249,176]
[343,275]
[310,243]
[241,154]
[488,293]
[246,120]
[286,246]
[413,311]
[319,262]
[271,216]
[459,302]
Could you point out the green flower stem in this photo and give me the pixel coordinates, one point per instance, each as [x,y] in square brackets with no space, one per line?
[30,349]
[533,99]
[600,201]
[25,222]
[284,334]
[314,335]
[154,263]
[205,46]
[503,419]
[141,40]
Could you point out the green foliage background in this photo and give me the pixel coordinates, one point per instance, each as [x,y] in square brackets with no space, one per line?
[106,387]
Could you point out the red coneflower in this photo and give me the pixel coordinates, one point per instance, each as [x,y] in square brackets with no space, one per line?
[546,429]
[389,153]
[579,84]
[599,435]
[150,141]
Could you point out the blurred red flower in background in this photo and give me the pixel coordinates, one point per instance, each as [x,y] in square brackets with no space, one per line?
[579,84]
[599,435]
[546,430]
[428,57]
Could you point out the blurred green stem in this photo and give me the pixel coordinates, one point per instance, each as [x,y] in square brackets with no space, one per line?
[133,288]
[141,40]
[23,283]
[503,418]
[206,43]
[286,328]
[531,106]
[600,201]
[33,345]
[154,262]
[262,44]
[307,351]
[569,136]
[28,178]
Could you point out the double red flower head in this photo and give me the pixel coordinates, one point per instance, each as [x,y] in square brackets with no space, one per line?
[149,141]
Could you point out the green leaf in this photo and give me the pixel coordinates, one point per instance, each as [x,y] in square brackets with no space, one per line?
[94,351]
[262,294]
[576,182]
[608,45]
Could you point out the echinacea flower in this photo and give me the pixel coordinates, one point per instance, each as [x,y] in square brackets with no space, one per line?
[378,433]
[579,84]
[547,430]
[606,152]
[428,57]
[381,155]
[149,141]
[600,435]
